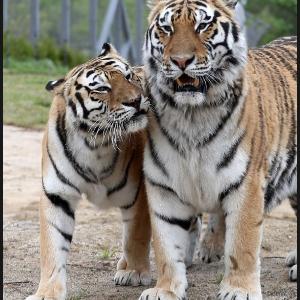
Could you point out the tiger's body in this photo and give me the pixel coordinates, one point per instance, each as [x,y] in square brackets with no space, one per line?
[93,147]
[221,139]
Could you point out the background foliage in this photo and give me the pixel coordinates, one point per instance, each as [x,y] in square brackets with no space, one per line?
[27,69]
[280,15]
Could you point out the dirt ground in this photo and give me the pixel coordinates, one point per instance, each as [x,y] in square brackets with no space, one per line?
[97,239]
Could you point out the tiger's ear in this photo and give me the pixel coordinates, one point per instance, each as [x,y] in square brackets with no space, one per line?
[231,3]
[107,48]
[55,85]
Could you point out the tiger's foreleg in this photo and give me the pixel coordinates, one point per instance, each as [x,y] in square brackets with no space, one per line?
[171,219]
[244,219]
[56,229]
[212,244]
[134,266]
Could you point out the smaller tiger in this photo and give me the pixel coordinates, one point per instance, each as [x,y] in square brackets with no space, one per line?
[87,152]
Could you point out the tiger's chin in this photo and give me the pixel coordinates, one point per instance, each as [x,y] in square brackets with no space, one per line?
[189,98]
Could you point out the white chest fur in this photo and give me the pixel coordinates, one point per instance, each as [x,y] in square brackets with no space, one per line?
[193,173]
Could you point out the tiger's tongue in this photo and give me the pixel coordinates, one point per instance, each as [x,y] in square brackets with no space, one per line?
[186,80]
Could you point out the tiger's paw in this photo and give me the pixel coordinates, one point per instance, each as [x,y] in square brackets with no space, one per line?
[293,273]
[291,261]
[228,292]
[51,290]
[211,249]
[161,294]
[132,277]
[36,297]
[127,275]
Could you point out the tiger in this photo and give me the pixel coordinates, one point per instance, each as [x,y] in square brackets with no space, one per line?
[221,140]
[93,148]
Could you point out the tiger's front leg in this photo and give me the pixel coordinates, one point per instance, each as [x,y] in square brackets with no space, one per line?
[171,219]
[56,229]
[244,211]
[134,266]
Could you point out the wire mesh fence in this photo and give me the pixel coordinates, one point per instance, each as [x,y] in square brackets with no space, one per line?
[86,25]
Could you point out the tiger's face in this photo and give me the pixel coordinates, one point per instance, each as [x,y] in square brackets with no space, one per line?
[193,45]
[105,94]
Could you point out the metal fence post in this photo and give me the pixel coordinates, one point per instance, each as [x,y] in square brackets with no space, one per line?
[117,30]
[107,23]
[34,21]
[65,30]
[5,15]
[93,26]
[140,5]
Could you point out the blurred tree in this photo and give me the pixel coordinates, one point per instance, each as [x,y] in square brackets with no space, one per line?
[281,15]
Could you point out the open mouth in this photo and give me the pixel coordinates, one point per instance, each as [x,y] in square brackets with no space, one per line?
[186,83]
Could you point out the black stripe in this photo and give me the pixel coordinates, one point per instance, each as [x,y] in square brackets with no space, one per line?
[61,131]
[184,224]
[66,236]
[123,182]
[64,249]
[172,141]
[93,83]
[81,102]
[87,128]
[235,185]
[167,99]
[73,107]
[90,73]
[155,158]
[60,176]
[225,27]
[231,108]
[229,156]
[58,201]
[110,168]
[235,32]
[128,206]
[277,57]
[167,189]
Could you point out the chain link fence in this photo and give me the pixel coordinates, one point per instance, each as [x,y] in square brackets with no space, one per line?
[86,25]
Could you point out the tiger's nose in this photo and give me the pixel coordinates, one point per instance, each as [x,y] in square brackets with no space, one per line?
[182,62]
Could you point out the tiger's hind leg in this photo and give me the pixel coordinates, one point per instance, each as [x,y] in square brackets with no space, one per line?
[56,229]
[134,266]
[212,244]
[291,260]
[194,237]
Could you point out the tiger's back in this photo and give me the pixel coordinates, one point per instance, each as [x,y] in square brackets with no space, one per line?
[272,93]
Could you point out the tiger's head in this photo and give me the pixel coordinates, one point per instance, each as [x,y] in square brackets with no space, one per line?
[192,45]
[104,94]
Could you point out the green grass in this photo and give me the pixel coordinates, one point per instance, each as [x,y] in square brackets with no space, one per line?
[107,253]
[26,102]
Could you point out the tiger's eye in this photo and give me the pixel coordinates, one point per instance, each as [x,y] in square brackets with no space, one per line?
[103,89]
[167,29]
[201,27]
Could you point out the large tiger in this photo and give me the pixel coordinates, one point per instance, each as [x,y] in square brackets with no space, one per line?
[221,139]
[93,146]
